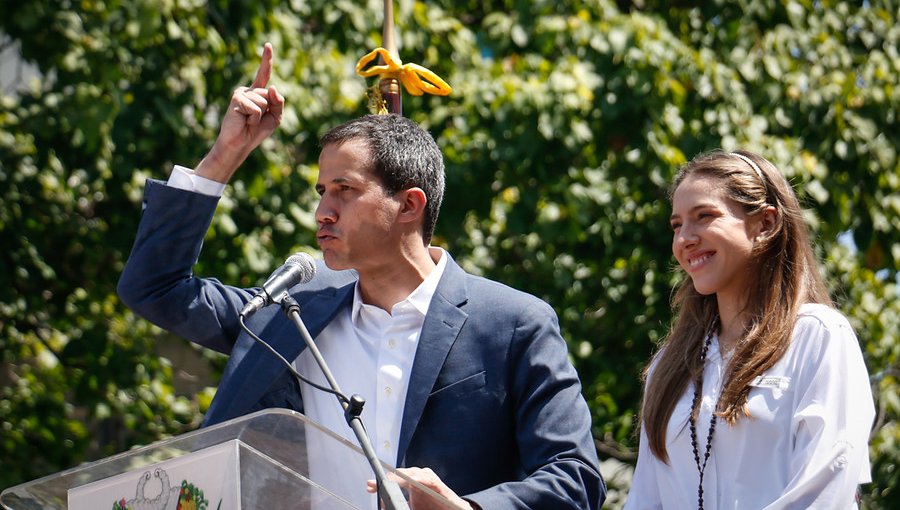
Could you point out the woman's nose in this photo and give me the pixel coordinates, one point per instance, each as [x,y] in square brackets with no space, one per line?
[684,237]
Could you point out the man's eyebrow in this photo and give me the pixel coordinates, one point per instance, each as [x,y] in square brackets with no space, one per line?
[336,180]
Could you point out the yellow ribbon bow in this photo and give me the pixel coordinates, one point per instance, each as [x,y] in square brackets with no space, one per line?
[410,75]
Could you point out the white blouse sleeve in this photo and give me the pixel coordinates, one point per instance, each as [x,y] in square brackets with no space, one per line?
[833,415]
[644,491]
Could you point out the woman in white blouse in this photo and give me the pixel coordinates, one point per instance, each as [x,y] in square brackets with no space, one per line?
[759,396]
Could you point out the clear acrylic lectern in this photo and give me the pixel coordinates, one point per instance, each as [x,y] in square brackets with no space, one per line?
[271,459]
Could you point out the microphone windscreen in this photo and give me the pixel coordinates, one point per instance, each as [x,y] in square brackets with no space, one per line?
[305,263]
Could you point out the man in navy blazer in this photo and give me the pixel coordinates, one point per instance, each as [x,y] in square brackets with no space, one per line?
[493,415]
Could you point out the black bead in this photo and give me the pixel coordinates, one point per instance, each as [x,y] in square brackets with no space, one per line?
[698,388]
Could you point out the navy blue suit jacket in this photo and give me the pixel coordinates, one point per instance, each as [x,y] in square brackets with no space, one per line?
[494,406]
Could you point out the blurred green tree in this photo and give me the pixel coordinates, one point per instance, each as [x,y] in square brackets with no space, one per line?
[567,121]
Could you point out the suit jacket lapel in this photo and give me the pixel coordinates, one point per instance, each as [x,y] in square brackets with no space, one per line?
[252,368]
[318,311]
[440,329]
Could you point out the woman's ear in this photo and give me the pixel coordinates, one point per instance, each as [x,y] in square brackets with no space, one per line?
[768,221]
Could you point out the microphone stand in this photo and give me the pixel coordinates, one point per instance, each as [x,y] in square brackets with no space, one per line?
[388,490]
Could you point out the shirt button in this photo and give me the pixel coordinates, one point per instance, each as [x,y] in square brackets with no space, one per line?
[387,390]
[387,445]
[840,462]
[392,343]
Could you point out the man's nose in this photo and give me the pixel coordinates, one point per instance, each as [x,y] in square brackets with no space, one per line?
[325,212]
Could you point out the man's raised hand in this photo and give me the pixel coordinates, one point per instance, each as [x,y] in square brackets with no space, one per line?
[252,115]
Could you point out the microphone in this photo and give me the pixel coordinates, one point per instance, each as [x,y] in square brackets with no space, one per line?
[298,268]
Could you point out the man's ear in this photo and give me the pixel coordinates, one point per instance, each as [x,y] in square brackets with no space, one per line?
[412,207]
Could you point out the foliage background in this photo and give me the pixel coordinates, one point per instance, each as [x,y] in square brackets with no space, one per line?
[566,123]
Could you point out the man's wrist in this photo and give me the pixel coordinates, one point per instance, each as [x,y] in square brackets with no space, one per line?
[218,165]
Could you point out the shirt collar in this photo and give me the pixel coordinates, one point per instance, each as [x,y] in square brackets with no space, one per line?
[420,298]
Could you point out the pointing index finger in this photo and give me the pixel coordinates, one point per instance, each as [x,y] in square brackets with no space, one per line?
[265,68]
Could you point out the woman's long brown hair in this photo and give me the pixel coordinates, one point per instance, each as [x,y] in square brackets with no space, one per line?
[787,276]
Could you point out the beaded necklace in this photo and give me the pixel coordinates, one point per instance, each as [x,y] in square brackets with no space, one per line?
[698,388]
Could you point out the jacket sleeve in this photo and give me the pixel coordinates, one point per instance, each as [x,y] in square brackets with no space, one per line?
[553,424]
[158,282]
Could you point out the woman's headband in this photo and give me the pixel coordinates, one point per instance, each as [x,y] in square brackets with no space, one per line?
[752,164]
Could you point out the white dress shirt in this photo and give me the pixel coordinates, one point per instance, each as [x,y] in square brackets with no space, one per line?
[806,445]
[185,178]
[370,352]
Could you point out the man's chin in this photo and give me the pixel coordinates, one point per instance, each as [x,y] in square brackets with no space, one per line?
[335,263]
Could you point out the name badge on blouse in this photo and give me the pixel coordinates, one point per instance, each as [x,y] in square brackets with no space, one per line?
[772,381]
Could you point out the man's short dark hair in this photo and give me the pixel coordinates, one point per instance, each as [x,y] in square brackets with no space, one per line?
[403,155]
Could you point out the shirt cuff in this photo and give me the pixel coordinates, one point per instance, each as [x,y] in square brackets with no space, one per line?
[185,178]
